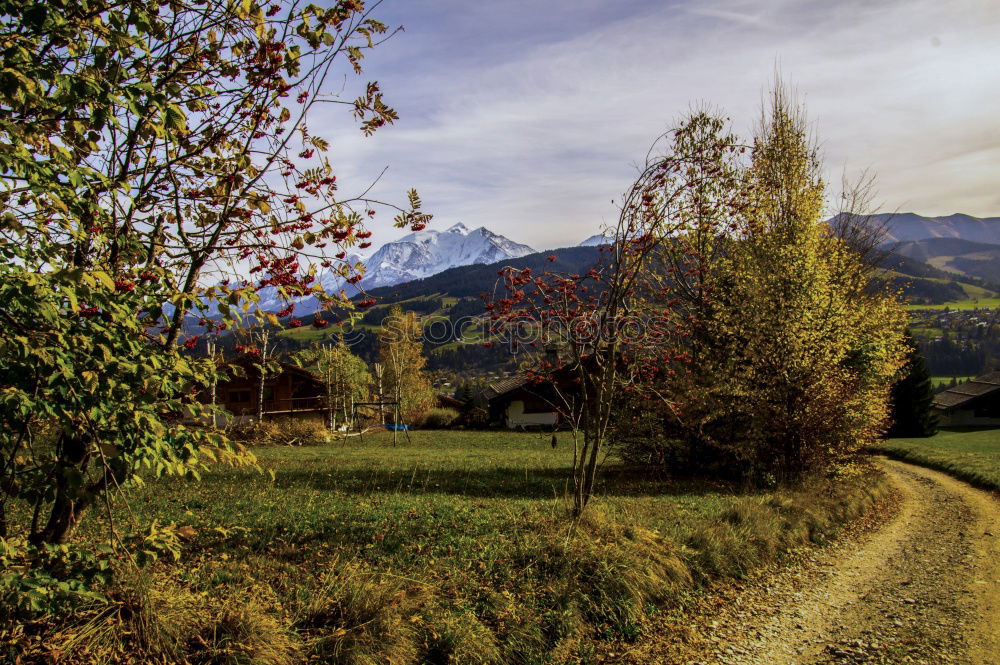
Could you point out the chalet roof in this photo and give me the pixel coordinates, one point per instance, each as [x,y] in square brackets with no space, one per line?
[448,401]
[502,386]
[968,391]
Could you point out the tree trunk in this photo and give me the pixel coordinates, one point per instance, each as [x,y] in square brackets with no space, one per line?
[211,354]
[63,518]
[70,502]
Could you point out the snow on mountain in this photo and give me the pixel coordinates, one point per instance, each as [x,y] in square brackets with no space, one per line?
[414,256]
[596,241]
[429,252]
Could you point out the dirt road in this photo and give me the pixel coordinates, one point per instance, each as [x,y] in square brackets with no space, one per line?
[924,587]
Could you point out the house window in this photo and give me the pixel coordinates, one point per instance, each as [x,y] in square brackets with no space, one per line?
[239,396]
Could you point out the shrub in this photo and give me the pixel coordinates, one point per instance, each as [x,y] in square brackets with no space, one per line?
[254,433]
[301,432]
[439,418]
[49,579]
[283,432]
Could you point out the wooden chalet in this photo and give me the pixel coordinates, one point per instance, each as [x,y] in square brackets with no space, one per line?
[518,402]
[288,392]
[446,401]
[975,403]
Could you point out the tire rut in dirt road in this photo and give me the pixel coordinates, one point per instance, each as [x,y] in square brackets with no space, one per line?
[925,588]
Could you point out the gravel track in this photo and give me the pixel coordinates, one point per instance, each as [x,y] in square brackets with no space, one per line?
[920,583]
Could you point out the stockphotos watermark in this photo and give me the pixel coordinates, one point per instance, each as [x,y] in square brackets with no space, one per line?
[523,334]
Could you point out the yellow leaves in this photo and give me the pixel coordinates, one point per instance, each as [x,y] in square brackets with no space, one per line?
[259,203]
[186,532]
[103,279]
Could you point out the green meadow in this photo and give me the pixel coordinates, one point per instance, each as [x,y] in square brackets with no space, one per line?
[970,454]
[448,547]
[970,303]
[944,381]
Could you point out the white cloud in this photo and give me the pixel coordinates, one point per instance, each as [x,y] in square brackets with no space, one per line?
[535,141]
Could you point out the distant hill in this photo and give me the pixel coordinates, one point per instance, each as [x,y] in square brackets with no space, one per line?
[596,241]
[955,256]
[921,282]
[907,226]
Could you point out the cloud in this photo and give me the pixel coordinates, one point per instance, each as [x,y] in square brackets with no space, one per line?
[529,119]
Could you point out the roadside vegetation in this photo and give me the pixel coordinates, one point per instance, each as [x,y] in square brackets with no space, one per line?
[451,549]
[971,455]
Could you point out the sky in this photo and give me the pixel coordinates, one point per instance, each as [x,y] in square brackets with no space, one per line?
[531,117]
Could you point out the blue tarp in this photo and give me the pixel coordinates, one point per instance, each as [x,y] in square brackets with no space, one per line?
[398,428]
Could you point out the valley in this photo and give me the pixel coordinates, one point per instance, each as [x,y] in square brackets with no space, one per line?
[947,281]
[429,333]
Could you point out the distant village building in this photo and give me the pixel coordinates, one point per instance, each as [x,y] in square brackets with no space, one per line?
[975,403]
[446,401]
[520,402]
[514,402]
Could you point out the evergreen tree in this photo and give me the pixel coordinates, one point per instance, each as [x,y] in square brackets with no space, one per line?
[911,398]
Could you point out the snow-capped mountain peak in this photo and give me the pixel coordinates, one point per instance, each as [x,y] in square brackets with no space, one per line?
[414,256]
[597,241]
[428,252]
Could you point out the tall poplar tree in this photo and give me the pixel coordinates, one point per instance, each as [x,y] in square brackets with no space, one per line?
[401,357]
[812,351]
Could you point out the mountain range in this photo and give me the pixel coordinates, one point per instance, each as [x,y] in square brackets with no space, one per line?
[908,226]
[412,257]
[952,246]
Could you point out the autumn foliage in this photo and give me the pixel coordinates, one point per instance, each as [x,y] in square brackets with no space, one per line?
[727,328]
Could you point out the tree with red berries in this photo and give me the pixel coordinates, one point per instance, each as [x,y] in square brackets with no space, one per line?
[611,331]
[726,316]
[148,149]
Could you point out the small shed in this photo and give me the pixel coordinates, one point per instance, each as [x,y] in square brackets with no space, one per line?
[975,403]
[446,401]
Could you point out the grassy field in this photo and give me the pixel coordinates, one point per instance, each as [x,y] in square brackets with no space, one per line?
[972,455]
[977,303]
[452,548]
[938,381]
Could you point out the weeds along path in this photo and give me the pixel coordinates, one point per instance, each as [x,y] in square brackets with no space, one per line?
[923,587]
